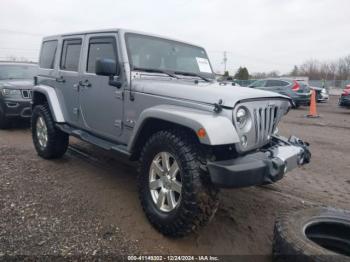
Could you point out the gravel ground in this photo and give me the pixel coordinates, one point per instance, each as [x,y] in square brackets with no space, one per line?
[86,203]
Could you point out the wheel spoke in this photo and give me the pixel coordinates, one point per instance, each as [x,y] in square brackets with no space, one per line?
[161,198]
[41,122]
[174,169]
[171,199]
[157,168]
[176,186]
[165,161]
[155,184]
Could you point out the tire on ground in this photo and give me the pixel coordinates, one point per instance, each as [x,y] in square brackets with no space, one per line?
[4,122]
[57,142]
[312,234]
[199,200]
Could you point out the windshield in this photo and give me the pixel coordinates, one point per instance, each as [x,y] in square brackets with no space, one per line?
[17,72]
[147,52]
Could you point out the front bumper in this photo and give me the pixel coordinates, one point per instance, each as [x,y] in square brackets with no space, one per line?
[266,166]
[16,108]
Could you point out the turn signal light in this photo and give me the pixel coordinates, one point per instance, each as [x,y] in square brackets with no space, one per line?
[201,133]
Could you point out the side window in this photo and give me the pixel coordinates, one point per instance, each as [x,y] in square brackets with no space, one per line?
[259,83]
[100,48]
[272,83]
[284,83]
[70,54]
[47,55]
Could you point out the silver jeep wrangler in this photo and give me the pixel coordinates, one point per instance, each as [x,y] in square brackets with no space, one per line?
[155,100]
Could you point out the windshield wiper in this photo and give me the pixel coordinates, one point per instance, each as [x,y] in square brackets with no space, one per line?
[154,70]
[192,74]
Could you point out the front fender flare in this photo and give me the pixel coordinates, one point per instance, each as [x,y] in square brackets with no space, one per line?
[219,129]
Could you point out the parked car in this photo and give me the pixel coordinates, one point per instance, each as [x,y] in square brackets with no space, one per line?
[344,99]
[322,94]
[155,100]
[298,92]
[228,81]
[16,83]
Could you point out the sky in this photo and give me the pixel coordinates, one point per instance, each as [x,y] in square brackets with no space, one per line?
[262,35]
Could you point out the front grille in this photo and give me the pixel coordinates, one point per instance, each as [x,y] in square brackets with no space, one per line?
[265,115]
[27,94]
[265,120]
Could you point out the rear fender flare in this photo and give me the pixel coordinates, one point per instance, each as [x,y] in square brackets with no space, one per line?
[52,100]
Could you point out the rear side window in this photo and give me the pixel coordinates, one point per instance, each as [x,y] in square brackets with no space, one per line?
[259,83]
[47,55]
[100,48]
[276,83]
[70,54]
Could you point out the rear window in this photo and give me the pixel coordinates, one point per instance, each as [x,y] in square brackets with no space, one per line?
[70,54]
[47,55]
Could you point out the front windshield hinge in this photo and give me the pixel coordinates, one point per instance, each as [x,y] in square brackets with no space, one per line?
[218,106]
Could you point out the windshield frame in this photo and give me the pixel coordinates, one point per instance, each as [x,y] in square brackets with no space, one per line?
[128,34]
[20,68]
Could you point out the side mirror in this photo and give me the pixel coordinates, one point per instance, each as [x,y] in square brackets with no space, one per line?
[106,67]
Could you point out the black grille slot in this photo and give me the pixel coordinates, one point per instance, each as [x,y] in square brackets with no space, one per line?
[27,94]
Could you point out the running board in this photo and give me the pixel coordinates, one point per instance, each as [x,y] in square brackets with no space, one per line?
[92,139]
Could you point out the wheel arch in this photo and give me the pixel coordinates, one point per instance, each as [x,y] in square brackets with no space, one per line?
[219,130]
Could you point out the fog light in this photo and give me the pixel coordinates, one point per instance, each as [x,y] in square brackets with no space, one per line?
[244,141]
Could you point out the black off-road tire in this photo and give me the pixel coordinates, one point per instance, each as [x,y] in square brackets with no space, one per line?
[4,122]
[298,235]
[199,200]
[58,141]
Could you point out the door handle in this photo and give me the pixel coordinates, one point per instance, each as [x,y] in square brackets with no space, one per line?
[85,83]
[60,79]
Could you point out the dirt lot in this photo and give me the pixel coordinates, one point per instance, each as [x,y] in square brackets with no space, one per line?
[87,203]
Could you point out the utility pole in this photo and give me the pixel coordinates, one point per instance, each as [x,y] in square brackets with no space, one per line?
[225,60]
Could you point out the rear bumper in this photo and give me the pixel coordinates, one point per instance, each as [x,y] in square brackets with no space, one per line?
[266,166]
[344,101]
[301,100]
[16,108]
[321,97]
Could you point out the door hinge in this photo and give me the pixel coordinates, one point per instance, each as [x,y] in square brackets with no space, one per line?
[75,111]
[119,95]
[118,123]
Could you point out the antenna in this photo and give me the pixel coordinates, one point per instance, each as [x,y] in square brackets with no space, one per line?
[224,61]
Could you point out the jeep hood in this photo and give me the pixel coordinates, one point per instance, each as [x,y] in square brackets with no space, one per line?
[17,83]
[202,92]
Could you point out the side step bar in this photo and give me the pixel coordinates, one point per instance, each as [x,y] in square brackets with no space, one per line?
[92,139]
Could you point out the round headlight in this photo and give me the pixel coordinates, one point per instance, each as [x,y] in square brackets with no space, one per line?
[242,117]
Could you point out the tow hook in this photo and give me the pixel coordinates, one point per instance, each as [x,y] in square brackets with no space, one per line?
[305,157]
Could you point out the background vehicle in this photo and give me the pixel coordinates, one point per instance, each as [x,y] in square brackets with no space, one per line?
[16,83]
[322,94]
[155,100]
[228,81]
[298,92]
[344,99]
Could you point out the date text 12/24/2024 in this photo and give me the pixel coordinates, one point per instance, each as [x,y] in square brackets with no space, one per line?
[173,258]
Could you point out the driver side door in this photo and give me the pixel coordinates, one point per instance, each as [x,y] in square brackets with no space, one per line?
[101,103]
